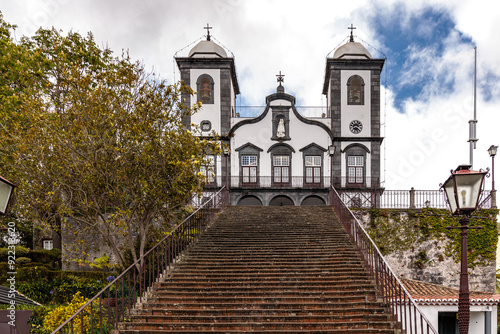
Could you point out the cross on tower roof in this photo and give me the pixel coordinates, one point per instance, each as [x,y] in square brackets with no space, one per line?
[280,78]
[352,29]
[208,31]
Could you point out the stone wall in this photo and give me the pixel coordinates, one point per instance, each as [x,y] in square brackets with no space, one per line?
[80,247]
[425,260]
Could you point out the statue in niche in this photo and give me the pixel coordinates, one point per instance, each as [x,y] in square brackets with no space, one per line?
[280,132]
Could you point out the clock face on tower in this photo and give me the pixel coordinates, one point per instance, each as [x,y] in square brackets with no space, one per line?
[356,126]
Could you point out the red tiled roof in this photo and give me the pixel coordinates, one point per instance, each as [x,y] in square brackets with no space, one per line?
[434,294]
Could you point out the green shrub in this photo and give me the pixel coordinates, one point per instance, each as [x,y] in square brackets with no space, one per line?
[51,257]
[39,291]
[23,260]
[33,272]
[59,290]
[71,286]
[20,251]
[89,275]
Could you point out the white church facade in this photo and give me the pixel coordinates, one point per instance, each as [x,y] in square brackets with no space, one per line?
[281,157]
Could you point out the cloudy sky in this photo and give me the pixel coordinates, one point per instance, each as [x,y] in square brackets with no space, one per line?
[428,78]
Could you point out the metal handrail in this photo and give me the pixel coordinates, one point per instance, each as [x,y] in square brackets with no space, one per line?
[112,304]
[406,312]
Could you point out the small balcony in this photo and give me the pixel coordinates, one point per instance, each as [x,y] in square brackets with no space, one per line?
[292,182]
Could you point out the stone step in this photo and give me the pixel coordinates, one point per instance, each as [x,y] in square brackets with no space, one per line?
[264,293]
[242,318]
[270,299]
[226,279]
[283,305]
[331,311]
[235,286]
[263,324]
[276,273]
[279,268]
[271,331]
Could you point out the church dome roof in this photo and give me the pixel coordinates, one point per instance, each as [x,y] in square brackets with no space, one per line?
[352,50]
[207,49]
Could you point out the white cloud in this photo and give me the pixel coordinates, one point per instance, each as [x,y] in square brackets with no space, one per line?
[424,139]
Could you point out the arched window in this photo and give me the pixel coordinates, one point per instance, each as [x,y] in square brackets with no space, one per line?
[205,88]
[355,90]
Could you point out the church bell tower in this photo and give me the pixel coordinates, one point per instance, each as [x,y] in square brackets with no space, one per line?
[352,89]
[212,75]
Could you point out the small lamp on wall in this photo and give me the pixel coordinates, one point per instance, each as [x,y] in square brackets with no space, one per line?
[6,189]
[492,152]
[331,149]
[331,152]
[227,152]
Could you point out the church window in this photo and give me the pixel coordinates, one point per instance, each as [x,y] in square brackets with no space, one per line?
[208,169]
[281,168]
[206,126]
[313,168]
[355,90]
[48,244]
[205,88]
[249,168]
[355,169]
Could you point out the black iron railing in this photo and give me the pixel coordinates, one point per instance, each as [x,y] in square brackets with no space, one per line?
[396,298]
[112,305]
[399,199]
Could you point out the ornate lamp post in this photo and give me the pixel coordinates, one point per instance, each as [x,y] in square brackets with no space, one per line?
[463,190]
[493,151]
[6,189]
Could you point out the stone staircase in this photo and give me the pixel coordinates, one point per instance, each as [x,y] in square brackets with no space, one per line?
[266,270]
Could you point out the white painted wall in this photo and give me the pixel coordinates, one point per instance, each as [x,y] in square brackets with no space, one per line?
[259,134]
[355,112]
[210,112]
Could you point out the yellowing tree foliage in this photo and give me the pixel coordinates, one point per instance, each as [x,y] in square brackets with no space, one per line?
[92,140]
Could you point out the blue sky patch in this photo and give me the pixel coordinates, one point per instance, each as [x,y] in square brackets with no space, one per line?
[411,41]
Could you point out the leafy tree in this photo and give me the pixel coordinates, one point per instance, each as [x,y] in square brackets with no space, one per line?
[94,142]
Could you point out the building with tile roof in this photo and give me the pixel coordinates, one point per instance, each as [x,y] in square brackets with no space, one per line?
[440,306]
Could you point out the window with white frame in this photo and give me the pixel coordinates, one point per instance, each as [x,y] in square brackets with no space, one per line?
[249,168]
[313,168]
[355,169]
[48,244]
[281,168]
[208,170]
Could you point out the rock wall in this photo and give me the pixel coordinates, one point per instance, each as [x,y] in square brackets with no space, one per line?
[426,261]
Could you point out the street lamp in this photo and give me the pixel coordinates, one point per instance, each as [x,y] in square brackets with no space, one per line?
[6,189]
[463,189]
[331,152]
[493,151]
[227,152]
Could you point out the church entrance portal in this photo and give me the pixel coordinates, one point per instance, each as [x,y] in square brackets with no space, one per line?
[249,201]
[313,200]
[281,201]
